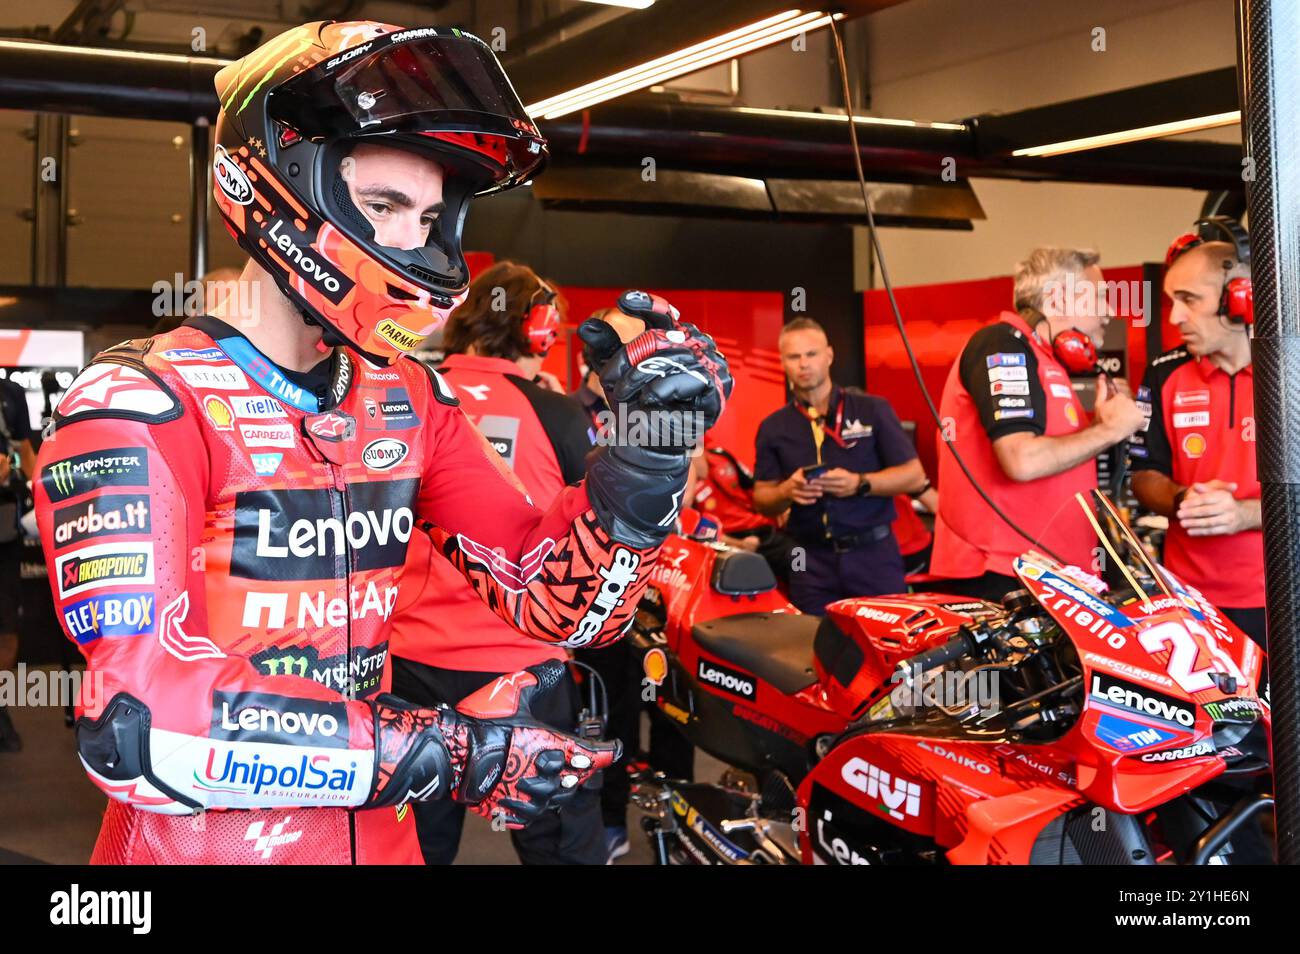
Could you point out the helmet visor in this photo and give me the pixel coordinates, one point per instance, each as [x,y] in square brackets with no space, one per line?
[414,81]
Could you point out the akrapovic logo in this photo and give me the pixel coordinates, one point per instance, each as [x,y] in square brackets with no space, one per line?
[307,535]
[1126,695]
[118,466]
[107,564]
[729,680]
[618,576]
[101,517]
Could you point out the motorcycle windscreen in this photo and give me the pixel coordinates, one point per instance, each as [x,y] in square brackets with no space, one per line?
[429,81]
[1107,556]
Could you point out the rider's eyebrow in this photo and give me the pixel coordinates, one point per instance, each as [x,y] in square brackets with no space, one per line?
[397,197]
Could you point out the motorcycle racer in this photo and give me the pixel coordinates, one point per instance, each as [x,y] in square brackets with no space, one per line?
[226,507]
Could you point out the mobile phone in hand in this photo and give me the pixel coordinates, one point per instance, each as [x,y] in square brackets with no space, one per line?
[813,471]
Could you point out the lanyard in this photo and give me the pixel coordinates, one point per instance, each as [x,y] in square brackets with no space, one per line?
[820,428]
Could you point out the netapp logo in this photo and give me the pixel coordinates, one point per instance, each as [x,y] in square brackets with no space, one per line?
[262,717]
[101,517]
[1126,695]
[333,287]
[728,680]
[299,535]
[617,578]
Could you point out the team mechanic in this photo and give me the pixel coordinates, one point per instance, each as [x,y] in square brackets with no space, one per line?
[225,537]
[1021,430]
[1194,458]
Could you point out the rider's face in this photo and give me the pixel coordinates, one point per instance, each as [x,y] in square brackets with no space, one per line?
[399,193]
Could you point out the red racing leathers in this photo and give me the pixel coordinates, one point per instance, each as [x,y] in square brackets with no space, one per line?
[226,556]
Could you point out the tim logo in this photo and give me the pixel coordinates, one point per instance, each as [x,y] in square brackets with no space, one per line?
[899,797]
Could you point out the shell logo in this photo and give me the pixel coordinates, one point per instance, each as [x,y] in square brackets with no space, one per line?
[1193,445]
[655,666]
[219,413]
[1072,415]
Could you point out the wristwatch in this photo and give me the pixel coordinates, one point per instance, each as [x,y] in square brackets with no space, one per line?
[864,485]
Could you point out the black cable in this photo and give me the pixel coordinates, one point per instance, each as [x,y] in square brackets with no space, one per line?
[893,302]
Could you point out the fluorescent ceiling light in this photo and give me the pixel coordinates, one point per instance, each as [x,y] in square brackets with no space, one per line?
[633,4]
[111,54]
[842,117]
[1159,131]
[728,46]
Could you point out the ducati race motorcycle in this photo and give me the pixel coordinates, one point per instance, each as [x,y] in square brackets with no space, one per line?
[1108,718]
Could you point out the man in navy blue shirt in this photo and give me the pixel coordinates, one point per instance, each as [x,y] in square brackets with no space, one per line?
[835,458]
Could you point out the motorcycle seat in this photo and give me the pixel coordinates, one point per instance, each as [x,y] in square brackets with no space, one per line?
[776,647]
[741,573]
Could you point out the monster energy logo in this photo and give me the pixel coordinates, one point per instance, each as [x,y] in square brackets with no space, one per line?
[355,676]
[118,466]
[62,475]
[286,666]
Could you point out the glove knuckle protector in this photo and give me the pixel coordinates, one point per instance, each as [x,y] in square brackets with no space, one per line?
[667,387]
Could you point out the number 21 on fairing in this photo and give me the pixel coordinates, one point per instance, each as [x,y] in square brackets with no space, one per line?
[1182,654]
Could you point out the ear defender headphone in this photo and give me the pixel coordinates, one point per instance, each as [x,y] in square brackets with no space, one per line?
[1075,351]
[1237,300]
[542,321]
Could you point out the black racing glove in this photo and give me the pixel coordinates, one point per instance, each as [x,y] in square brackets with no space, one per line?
[665,388]
[489,752]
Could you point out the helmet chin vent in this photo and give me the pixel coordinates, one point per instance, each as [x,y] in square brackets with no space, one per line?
[430,278]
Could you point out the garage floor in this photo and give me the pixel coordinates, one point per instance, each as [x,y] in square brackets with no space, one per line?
[49,811]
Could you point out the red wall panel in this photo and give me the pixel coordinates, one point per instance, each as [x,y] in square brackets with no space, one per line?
[744,323]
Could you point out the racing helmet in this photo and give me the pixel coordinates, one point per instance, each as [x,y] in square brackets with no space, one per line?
[295,110]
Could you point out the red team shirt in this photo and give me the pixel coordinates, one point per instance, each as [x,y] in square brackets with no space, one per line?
[544,438]
[1201,426]
[1007,381]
